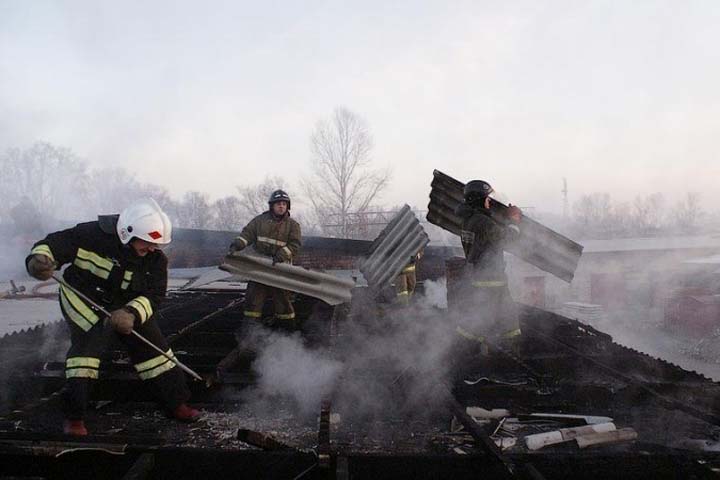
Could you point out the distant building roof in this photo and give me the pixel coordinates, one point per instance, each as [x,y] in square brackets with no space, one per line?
[707,299]
[711,260]
[651,243]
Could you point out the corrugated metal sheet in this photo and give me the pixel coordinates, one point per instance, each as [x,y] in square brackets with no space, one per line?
[391,251]
[328,288]
[538,245]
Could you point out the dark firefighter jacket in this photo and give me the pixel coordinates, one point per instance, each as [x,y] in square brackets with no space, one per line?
[105,270]
[483,239]
[270,236]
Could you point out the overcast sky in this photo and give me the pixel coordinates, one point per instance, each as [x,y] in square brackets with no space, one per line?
[616,96]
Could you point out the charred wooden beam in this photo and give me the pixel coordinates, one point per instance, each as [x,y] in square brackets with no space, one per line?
[480,436]
[664,400]
[324,434]
[261,440]
[184,331]
[142,468]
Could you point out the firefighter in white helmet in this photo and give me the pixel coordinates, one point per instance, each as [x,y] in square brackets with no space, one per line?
[117,262]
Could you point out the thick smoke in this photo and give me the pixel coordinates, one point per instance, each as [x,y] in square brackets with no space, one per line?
[395,359]
[12,259]
[286,367]
[637,305]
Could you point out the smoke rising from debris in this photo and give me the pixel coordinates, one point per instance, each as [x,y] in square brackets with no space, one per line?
[396,359]
[287,367]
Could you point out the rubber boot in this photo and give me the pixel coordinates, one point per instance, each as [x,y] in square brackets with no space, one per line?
[74,427]
[186,414]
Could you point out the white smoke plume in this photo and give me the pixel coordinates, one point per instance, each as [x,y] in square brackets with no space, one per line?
[396,359]
[286,367]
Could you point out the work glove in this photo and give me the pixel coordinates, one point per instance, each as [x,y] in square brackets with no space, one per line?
[40,266]
[281,256]
[513,213]
[236,245]
[122,321]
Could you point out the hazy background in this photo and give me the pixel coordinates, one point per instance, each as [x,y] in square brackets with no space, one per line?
[618,97]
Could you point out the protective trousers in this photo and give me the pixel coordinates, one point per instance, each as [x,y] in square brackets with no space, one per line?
[487,316]
[82,366]
[405,285]
[488,311]
[255,296]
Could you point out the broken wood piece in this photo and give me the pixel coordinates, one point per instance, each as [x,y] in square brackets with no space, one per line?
[142,468]
[260,440]
[505,442]
[540,440]
[495,413]
[622,435]
[588,419]
[323,449]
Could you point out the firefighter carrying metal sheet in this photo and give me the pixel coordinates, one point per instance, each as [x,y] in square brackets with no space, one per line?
[486,310]
[117,263]
[406,281]
[272,233]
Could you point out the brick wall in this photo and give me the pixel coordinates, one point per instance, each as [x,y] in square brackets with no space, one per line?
[203,248]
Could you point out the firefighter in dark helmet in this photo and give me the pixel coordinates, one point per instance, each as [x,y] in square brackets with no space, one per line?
[274,234]
[485,310]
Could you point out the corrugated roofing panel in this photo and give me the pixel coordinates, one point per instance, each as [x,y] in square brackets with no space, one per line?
[537,244]
[328,288]
[391,251]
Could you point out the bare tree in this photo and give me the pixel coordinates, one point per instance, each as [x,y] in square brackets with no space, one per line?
[53,178]
[648,213]
[194,211]
[341,182]
[593,212]
[114,188]
[254,198]
[229,214]
[687,212]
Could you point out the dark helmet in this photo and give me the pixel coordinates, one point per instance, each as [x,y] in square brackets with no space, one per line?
[279,196]
[476,191]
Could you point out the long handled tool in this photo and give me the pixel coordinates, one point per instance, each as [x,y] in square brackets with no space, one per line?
[177,362]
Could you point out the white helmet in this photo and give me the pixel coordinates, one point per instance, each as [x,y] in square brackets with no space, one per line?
[145,220]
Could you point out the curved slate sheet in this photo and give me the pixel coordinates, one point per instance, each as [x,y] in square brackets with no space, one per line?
[538,245]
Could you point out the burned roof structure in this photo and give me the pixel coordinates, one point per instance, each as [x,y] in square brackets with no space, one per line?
[562,367]
[364,391]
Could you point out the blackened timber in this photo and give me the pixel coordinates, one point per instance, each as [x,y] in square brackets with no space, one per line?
[52,399]
[324,434]
[662,399]
[480,436]
[184,331]
[260,440]
[142,467]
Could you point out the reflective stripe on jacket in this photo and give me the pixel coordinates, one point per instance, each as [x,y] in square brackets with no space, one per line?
[105,270]
[268,235]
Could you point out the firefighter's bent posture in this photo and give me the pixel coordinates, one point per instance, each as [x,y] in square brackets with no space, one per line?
[274,234]
[486,310]
[116,262]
